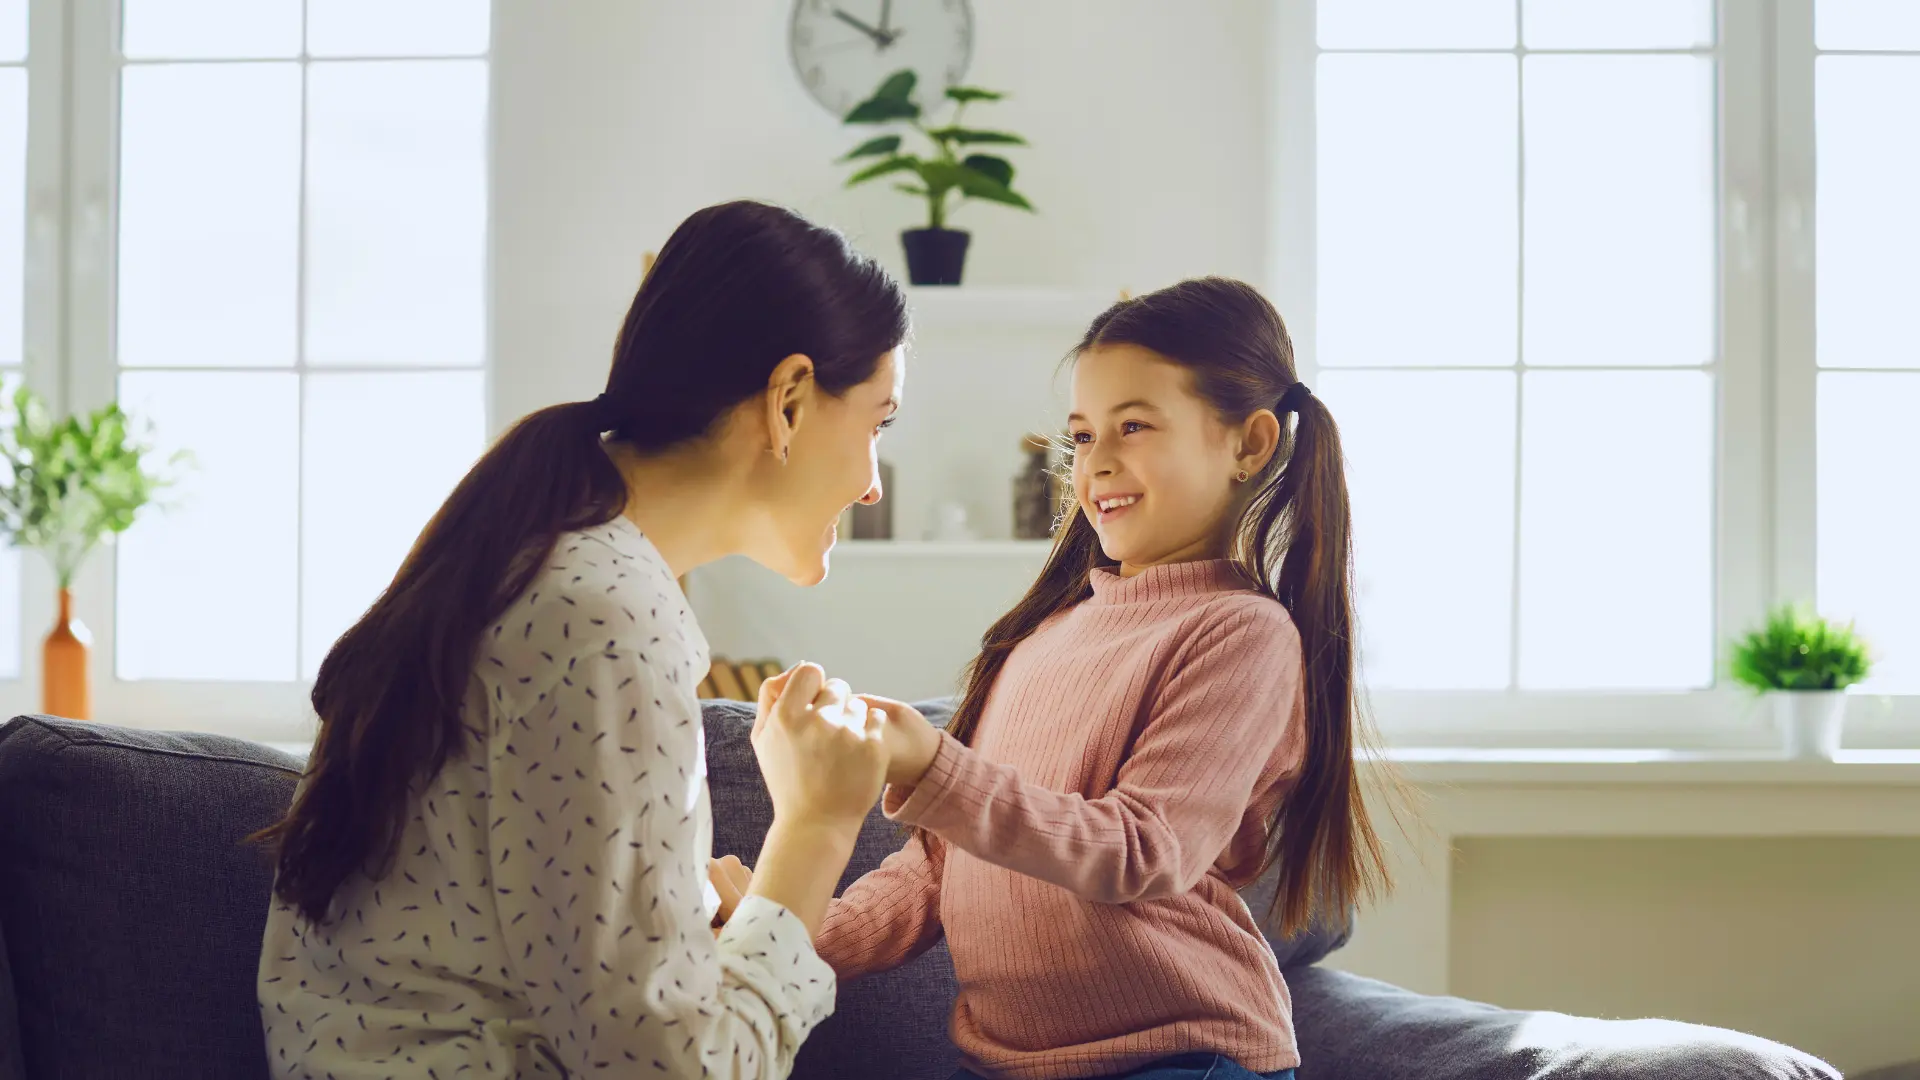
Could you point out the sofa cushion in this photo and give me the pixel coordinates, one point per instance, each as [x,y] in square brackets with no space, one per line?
[1352,1028]
[133,908]
[11,1066]
[892,1025]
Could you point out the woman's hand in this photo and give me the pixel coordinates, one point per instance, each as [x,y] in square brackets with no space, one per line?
[912,742]
[824,757]
[731,879]
[822,752]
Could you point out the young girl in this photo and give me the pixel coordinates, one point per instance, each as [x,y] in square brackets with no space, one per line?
[1166,714]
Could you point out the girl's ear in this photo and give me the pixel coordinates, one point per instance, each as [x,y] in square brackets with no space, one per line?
[1259,441]
[788,398]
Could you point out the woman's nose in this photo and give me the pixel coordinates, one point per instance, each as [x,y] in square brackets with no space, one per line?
[873,494]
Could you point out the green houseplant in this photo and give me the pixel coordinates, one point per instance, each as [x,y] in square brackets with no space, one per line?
[952,169]
[66,486]
[1804,663]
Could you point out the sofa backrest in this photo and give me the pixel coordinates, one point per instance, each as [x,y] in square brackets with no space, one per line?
[132,909]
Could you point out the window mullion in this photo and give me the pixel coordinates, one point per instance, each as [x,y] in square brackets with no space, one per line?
[1294,172]
[1793,383]
[1743,524]
[88,377]
[93,157]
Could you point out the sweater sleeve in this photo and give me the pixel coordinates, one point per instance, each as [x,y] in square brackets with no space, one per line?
[889,916]
[600,891]
[1179,797]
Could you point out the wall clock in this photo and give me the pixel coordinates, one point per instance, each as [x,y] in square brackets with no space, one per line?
[843,49]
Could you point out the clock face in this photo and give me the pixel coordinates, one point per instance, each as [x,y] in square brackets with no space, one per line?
[844,49]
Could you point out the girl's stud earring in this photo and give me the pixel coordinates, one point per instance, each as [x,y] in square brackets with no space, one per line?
[1241,477]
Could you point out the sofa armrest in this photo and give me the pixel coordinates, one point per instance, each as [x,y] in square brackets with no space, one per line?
[1351,1028]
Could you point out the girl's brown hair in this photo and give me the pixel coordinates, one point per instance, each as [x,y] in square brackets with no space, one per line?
[737,288]
[1293,542]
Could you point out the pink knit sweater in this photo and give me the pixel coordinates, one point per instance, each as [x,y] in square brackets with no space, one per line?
[1091,840]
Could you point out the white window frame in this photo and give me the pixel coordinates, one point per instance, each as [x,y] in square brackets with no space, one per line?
[74,66]
[45,319]
[1765,438]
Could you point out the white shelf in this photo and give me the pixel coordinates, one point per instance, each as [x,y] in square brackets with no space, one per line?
[965,307]
[942,549]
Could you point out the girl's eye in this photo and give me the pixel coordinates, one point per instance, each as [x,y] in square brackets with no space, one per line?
[1131,426]
[1083,437]
[885,424]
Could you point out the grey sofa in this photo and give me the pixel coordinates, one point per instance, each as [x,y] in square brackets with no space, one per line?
[131,914]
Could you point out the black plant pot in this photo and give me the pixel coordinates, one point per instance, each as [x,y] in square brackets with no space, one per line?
[935,256]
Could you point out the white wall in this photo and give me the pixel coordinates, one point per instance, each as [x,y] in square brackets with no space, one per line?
[614,119]
[1808,941]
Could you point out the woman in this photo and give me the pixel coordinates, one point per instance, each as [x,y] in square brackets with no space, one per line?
[497,862]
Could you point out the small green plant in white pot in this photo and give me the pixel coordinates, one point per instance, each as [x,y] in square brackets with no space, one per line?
[1804,664]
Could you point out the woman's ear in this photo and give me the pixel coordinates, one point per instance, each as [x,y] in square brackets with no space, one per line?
[788,398]
[1259,440]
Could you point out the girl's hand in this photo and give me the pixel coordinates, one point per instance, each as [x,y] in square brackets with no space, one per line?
[822,752]
[911,740]
[730,878]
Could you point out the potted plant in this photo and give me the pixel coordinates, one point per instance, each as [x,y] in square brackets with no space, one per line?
[65,487]
[1804,664]
[936,255]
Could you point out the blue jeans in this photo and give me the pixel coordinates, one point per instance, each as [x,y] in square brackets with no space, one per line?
[1184,1067]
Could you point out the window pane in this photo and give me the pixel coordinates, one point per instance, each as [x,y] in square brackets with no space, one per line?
[1868,239]
[397,27]
[1869,520]
[1415,24]
[382,453]
[1418,210]
[207,586]
[396,200]
[1617,24]
[13,30]
[210,29]
[209,214]
[1867,24]
[13,211]
[1616,530]
[1620,210]
[1430,461]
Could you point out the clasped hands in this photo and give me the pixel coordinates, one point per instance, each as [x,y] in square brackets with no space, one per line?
[824,752]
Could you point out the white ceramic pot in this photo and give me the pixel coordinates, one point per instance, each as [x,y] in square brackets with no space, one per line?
[1809,721]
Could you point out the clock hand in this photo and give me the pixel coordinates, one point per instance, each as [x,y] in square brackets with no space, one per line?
[879,38]
[886,24]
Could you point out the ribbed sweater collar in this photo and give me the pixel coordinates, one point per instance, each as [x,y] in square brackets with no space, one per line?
[1165,582]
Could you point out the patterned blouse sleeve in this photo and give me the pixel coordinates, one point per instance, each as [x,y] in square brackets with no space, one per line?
[600,891]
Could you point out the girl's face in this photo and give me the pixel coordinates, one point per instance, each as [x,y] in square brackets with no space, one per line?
[832,463]
[1153,465]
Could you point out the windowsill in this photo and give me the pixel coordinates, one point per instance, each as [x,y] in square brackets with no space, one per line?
[1580,765]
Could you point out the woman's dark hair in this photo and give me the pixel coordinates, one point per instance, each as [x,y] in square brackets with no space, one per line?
[737,289]
[1293,542]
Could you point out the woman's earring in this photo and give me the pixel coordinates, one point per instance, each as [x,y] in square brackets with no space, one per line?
[783,454]
[1241,477]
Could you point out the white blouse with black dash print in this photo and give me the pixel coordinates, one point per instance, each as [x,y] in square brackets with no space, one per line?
[548,907]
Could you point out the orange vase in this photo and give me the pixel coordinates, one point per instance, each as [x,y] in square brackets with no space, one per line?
[63,684]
